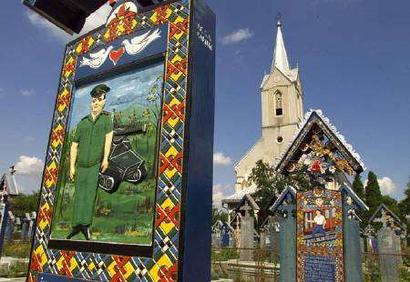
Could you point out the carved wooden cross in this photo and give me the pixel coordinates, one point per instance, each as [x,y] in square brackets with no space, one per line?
[246,208]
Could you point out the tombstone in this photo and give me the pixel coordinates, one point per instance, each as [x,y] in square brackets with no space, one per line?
[389,242]
[10,226]
[370,240]
[156,69]
[247,210]
[3,223]
[216,234]
[26,227]
[32,225]
[319,219]
[269,237]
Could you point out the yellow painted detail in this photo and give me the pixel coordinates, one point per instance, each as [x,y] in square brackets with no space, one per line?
[111,269]
[171,152]
[173,121]
[129,270]
[91,266]
[73,264]
[174,102]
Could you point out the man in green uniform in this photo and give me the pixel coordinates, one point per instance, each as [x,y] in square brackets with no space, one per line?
[89,154]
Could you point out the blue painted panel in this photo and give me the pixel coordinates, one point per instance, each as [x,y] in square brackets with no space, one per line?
[4,211]
[198,167]
[288,247]
[47,277]
[352,250]
[105,57]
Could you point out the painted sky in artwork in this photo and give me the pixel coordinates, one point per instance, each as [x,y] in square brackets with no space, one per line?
[131,87]
[352,54]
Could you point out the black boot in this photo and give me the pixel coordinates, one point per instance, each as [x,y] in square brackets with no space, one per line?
[74,231]
[85,230]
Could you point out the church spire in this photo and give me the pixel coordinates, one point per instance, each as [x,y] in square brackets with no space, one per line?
[280,58]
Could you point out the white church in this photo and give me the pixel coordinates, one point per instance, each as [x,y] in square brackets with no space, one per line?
[282,112]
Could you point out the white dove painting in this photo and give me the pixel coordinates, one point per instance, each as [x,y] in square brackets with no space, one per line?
[138,43]
[96,59]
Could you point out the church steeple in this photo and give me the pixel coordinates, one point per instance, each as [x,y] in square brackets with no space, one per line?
[280,58]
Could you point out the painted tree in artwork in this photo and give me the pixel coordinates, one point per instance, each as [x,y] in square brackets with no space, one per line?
[373,195]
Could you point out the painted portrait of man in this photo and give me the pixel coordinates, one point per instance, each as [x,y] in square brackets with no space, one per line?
[89,155]
[107,180]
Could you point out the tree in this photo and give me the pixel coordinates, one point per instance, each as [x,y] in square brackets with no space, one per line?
[22,203]
[270,185]
[404,205]
[391,204]
[372,195]
[358,186]
[218,215]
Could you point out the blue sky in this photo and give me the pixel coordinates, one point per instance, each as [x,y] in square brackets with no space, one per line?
[353,57]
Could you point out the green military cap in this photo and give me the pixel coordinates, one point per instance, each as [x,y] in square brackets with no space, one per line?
[99,90]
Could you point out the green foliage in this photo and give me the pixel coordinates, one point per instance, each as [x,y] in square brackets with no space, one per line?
[358,186]
[24,204]
[17,269]
[270,184]
[371,269]
[404,205]
[404,274]
[218,215]
[373,196]
[391,204]
[225,254]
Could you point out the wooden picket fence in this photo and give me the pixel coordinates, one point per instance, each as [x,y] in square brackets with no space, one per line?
[265,266]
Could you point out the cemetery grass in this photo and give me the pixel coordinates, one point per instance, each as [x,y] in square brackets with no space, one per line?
[124,217]
[17,269]
[16,249]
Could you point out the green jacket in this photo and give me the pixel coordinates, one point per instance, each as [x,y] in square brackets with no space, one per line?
[90,136]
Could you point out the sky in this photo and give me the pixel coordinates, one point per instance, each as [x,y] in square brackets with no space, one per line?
[353,57]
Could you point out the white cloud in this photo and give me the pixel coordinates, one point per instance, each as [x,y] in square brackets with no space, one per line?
[220,192]
[29,166]
[217,197]
[387,186]
[237,36]
[27,92]
[93,21]
[221,159]
[43,24]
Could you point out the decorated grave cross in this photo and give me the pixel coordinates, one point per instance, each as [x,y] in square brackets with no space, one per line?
[389,237]
[161,45]
[327,231]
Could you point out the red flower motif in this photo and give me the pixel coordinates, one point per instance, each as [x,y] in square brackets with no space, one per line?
[316,167]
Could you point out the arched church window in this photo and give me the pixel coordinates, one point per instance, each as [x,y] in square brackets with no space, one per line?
[278,104]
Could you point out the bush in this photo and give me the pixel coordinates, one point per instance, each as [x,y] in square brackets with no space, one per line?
[225,254]
[17,249]
[404,274]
